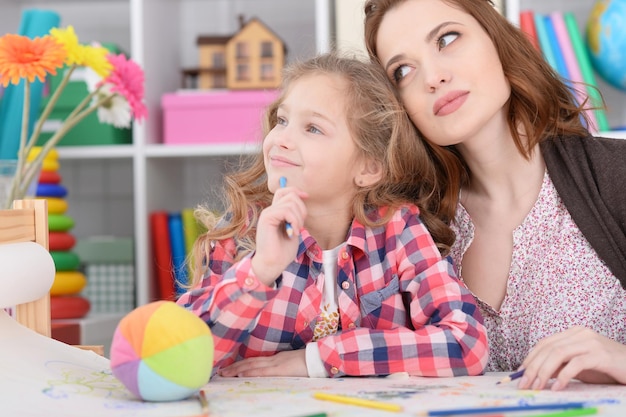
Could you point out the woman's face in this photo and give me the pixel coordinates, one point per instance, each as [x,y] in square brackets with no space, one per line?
[446,69]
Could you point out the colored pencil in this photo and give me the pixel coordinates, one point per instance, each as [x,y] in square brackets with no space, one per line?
[357,401]
[505,409]
[511,377]
[316,415]
[288,228]
[204,403]
[571,413]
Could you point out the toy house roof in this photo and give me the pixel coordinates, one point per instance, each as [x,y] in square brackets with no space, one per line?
[223,40]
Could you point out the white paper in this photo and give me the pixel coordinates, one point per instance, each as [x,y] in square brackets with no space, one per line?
[40,376]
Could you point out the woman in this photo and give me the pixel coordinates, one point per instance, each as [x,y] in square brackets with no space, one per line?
[533,198]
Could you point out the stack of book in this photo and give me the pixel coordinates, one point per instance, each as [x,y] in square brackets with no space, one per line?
[172,235]
[560,41]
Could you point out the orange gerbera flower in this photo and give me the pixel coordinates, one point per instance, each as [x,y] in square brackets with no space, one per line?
[22,57]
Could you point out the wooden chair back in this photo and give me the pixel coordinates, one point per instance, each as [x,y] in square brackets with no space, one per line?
[28,222]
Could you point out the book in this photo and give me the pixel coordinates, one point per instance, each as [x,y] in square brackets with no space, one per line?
[162,255]
[555,46]
[177,244]
[544,41]
[191,228]
[586,70]
[527,25]
[573,67]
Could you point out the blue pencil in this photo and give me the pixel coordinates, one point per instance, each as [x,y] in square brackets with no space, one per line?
[505,409]
[288,228]
[511,377]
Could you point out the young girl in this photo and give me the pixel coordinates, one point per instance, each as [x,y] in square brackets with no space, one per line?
[535,200]
[360,288]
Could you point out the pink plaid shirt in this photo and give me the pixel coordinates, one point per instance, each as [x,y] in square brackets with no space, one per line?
[401,306]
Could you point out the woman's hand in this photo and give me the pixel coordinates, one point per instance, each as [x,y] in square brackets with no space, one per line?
[274,249]
[578,353]
[285,363]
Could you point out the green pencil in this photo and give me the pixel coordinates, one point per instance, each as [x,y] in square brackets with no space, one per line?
[570,413]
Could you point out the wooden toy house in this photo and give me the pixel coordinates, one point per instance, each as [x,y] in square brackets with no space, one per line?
[250,59]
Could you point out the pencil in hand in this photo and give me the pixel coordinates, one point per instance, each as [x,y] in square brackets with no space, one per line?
[509,378]
[288,228]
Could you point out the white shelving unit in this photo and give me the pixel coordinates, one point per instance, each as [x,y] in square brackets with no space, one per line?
[112,189]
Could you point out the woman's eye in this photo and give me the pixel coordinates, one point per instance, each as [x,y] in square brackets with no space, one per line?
[447,39]
[400,72]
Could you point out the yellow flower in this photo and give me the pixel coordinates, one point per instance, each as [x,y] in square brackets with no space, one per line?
[82,55]
[67,37]
[22,57]
[95,57]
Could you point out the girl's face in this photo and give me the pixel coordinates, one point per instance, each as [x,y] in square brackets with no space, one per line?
[446,68]
[311,144]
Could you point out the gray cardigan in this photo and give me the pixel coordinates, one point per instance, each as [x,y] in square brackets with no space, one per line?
[589,173]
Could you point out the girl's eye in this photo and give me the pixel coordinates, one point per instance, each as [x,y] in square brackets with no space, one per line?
[313,129]
[281,121]
[400,72]
[446,39]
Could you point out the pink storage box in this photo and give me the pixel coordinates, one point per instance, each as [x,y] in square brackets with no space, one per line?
[215,116]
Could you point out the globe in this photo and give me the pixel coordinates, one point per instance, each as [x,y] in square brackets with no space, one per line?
[606,41]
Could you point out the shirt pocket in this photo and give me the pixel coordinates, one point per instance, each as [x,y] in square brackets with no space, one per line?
[374,300]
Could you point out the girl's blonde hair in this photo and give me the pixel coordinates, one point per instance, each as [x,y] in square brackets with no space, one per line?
[541,105]
[381,131]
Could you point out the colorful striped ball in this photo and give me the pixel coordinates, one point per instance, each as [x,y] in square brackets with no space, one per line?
[162,352]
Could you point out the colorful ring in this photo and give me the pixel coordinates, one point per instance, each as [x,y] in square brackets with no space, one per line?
[65,261]
[69,307]
[59,222]
[49,177]
[51,190]
[50,165]
[68,283]
[60,241]
[55,205]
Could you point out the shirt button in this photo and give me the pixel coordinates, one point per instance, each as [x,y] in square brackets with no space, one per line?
[345,285]
[351,326]
[306,323]
[344,255]
[334,370]
[249,281]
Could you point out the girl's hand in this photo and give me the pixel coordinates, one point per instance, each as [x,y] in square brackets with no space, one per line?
[285,363]
[274,249]
[577,353]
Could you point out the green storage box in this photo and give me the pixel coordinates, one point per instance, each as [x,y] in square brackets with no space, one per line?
[89,131]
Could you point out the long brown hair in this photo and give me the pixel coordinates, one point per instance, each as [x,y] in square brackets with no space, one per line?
[541,104]
[382,131]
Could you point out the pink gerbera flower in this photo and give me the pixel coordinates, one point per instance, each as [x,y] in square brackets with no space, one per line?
[127,79]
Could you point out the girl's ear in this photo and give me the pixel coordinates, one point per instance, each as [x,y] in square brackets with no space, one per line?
[370,173]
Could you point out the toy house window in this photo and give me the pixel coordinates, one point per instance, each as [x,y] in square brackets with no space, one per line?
[219,81]
[267,49]
[243,72]
[242,50]
[218,60]
[267,71]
